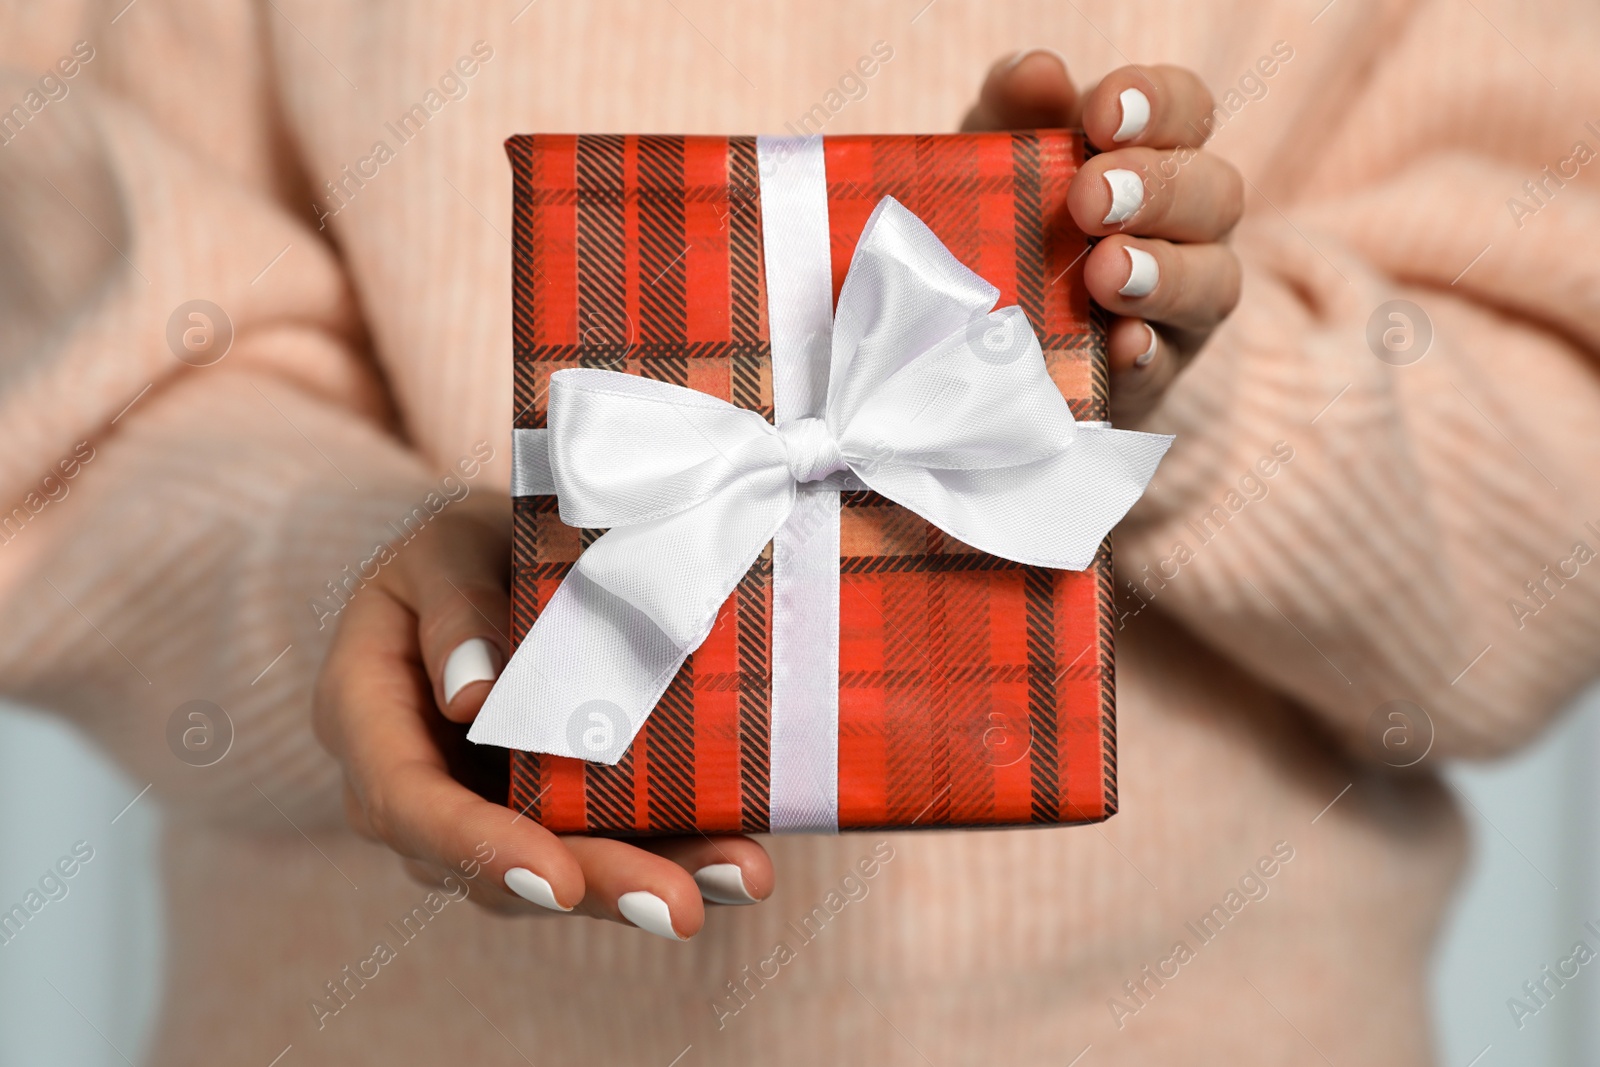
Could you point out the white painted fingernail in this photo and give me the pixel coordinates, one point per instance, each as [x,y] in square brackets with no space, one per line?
[529,886]
[723,883]
[1026,52]
[1142,273]
[474,660]
[1127,195]
[1135,114]
[1143,358]
[648,912]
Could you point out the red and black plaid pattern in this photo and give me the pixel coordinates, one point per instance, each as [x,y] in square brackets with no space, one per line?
[973,691]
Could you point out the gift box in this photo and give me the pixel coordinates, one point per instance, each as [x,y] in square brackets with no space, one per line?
[972,691]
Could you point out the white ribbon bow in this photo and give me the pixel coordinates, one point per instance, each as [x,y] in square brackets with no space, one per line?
[933,400]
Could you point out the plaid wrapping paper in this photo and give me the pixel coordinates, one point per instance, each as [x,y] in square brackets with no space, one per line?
[973,691]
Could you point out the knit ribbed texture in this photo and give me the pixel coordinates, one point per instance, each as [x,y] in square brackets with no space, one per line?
[1380,560]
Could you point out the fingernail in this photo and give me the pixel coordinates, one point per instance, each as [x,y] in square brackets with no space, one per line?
[474,660]
[723,883]
[529,886]
[1143,358]
[1127,195]
[1142,273]
[1026,52]
[648,912]
[1135,114]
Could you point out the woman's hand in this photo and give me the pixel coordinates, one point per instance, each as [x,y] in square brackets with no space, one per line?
[411,664]
[1162,205]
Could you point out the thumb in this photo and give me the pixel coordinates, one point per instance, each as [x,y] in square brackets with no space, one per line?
[454,578]
[1028,90]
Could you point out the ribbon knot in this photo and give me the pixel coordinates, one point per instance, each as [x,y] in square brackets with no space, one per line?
[810,449]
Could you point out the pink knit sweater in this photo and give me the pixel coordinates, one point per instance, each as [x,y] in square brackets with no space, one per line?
[1270,890]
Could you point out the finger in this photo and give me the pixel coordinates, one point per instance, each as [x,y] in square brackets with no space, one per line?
[460,885]
[1131,346]
[727,869]
[1182,195]
[629,885]
[424,814]
[1143,364]
[374,711]
[1024,91]
[1158,106]
[455,577]
[378,716]
[1190,287]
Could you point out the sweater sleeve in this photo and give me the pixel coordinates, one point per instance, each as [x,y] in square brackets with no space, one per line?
[197,459]
[1386,482]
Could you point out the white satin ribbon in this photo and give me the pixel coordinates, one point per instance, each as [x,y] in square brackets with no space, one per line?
[803,709]
[931,399]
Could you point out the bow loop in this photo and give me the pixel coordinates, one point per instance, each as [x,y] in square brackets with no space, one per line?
[609,474]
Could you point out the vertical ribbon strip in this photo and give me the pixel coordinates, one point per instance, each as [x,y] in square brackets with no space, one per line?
[805,553]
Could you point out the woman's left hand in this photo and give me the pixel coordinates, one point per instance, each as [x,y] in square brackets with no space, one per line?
[1162,204]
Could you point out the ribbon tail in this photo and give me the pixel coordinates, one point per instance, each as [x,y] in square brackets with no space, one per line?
[638,601]
[1110,469]
[568,688]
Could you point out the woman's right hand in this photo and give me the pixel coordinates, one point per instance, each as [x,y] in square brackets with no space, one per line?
[410,665]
